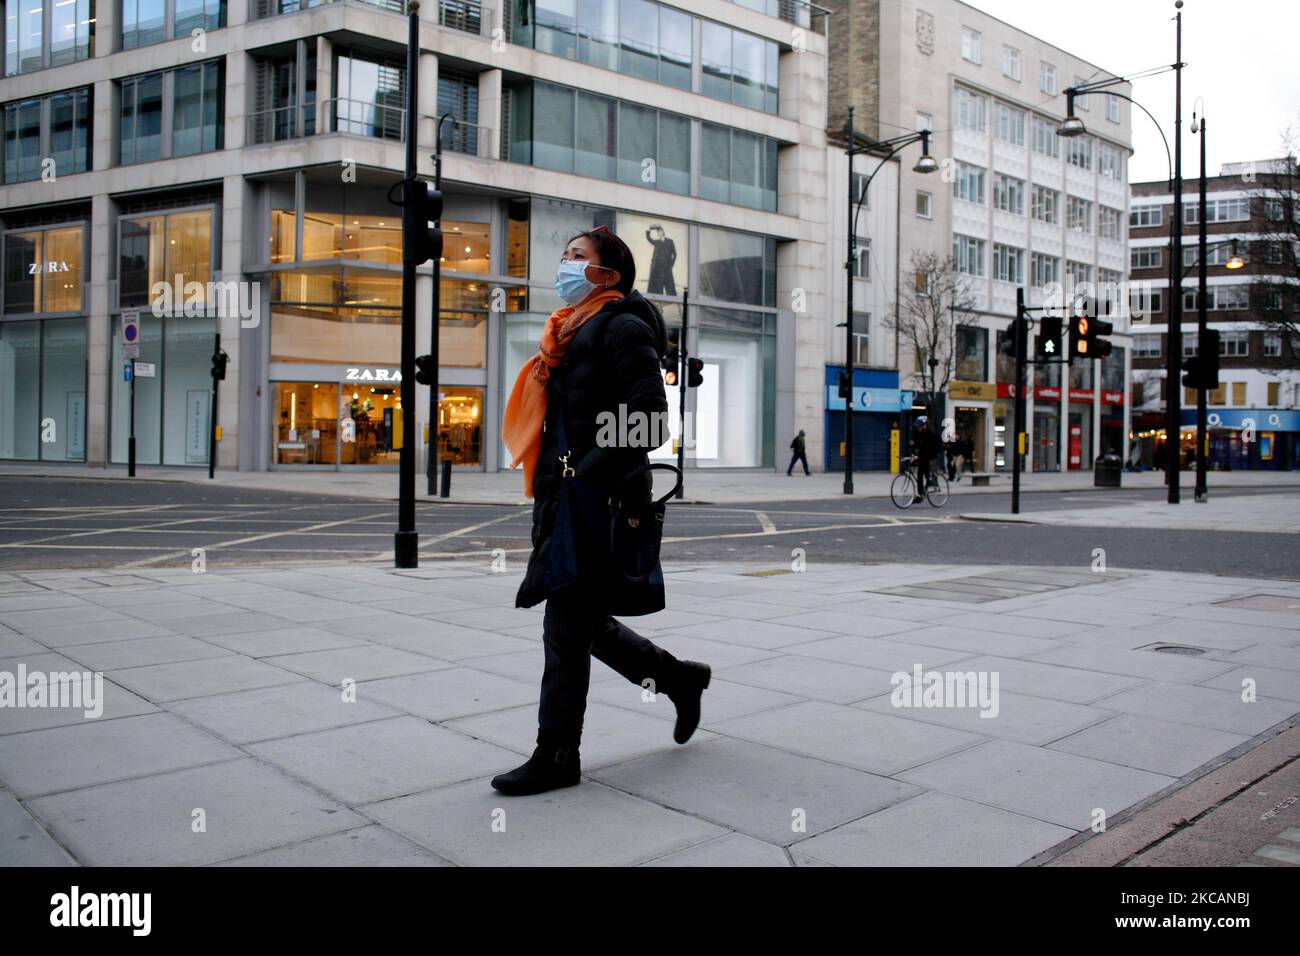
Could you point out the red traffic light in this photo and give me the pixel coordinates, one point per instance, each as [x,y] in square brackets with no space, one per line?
[670,379]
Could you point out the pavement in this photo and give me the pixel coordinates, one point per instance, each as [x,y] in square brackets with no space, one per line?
[353,714]
[702,485]
[1258,513]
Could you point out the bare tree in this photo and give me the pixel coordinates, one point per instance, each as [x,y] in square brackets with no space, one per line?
[935,301]
[1275,295]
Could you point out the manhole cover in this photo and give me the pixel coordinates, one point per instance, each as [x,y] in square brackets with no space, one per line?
[1177,649]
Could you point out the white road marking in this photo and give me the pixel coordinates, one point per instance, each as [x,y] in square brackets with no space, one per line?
[765,522]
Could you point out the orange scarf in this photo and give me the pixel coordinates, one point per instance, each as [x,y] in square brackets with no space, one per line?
[526,408]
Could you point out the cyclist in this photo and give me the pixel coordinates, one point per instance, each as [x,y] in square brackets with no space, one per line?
[925,446]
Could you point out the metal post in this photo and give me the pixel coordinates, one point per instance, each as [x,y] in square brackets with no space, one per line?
[1201,295]
[212,419]
[130,442]
[848,323]
[1173,366]
[1021,333]
[682,372]
[406,539]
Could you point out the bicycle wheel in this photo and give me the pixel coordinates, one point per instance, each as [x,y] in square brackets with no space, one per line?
[902,490]
[938,495]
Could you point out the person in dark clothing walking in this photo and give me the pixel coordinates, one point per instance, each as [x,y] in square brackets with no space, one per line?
[599,352]
[800,454]
[661,262]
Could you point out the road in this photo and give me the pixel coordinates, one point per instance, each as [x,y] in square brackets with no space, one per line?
[80,523]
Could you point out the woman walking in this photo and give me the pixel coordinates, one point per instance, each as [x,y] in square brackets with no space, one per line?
[599,352]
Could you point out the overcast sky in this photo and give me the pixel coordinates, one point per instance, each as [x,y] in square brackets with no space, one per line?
[1241,57]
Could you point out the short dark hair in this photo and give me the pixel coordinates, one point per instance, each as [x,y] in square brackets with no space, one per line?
[614,254]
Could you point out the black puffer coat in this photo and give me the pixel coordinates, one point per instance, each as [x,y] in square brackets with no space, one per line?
[612,361]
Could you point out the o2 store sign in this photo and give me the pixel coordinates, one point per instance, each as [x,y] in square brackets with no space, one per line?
[374,375]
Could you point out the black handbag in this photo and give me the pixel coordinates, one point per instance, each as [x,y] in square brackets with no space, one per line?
[605,545]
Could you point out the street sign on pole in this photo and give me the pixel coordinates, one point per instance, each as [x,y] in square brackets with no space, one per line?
[127,371]
[130,335]
[144,369]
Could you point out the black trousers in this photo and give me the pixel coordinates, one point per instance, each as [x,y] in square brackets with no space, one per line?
[798,456]
[574,631]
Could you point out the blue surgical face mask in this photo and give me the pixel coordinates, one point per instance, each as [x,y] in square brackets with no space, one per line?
[571,283]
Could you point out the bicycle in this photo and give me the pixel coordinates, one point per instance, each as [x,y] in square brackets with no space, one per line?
[903,489]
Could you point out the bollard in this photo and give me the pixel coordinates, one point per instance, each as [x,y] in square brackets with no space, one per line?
[445,490]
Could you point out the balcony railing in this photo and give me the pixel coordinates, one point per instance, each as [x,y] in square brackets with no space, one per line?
[466,15]
[468,139]
[281,123]
[366,118]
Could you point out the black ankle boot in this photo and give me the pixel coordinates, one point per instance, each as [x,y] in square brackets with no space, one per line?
[686,689]
[549,768]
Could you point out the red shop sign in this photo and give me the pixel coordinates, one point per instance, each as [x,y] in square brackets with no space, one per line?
[1112,398]
[1080,395]
[1047,391]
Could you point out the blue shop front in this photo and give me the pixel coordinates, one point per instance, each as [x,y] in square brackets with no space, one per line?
[879,407]
[1255,439]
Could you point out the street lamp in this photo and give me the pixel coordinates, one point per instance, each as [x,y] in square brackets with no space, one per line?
[1073,126]
[925,164]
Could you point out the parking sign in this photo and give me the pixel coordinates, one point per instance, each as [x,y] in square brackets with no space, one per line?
[130,335]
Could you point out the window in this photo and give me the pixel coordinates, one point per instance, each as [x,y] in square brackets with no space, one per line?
[1110,162]
[371,95]
[1146,258]
[1273,253]
[1044,204]
[971,343]
[737,167]
[737,267]
[458,98]
[859,188]
[158,247]
[1218,210]
[1078,214]
[1145,216]
[41,33]
[1079,152]
[54,127]
[1273,300]
[1222,298]
[970,45]
[43,271]
[1273,209]
[1189,344]
[923,204]
[197,113]
[924,121]
[1108,226]
[861,338]
[971,110]
[1146,345]
[1047,78]
[1010,124]
[1112,107]
[1008,264]
[1236,344]
[969,254]
[1215,255]
[1272,349]
[1081,99]
[1044,269]
[1079,272]
[1143,301]
[1011,62]
[1239,393]
[571,131]
[197,110]
[1009,194]
[152,21]
[1274,393]
[1046,141]
[862,267]
[737,66]
[969,184]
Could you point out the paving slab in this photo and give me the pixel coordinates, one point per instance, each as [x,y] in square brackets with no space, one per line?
[219,675]
[1054,787]
[569,827]
[364,662]
[1031,720]
[381,759]
[109,655]
[1201,707]
[285,640]
[23,841]
[734,849]
[723,700]
[935,829]
[813,678]
[269,713]
[774,795]
[1161,746]
[883,654]
[246,806]
[849,736]
[100,751]
[371,845]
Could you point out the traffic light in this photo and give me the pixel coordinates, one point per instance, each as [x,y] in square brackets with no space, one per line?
[424,369]
[1085,337]
[1099,348]
[694,372]
[1203,367]
[1048,343]
[672,360]
[423,210]
[219,362]
[843,381]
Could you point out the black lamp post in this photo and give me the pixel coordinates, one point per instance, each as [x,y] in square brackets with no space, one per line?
[1073,126]
[925,164]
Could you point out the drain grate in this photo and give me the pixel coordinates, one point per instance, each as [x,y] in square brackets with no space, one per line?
[1176,649]
[998,585]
